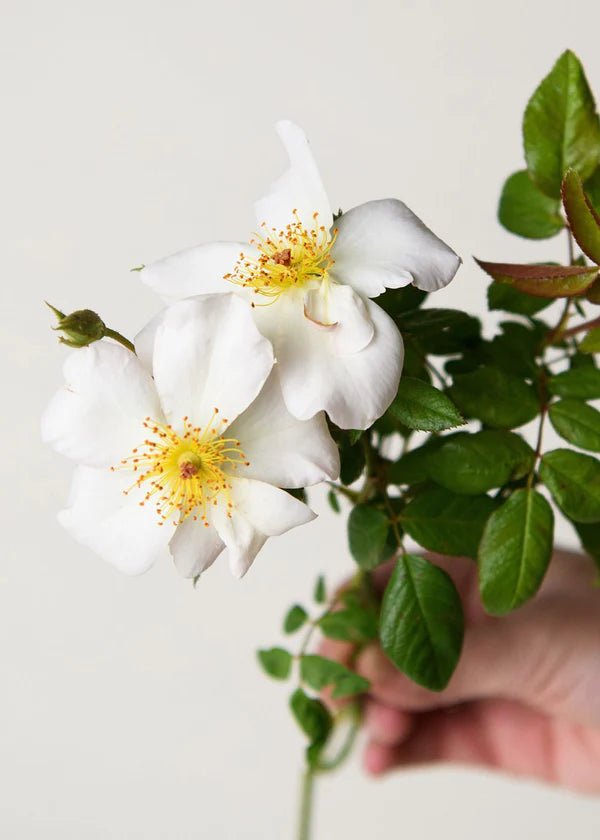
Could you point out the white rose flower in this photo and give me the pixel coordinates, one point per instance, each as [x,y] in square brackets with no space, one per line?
[183,448]
[310,280]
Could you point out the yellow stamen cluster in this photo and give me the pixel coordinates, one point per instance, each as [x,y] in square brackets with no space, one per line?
[287,259]
[182,474]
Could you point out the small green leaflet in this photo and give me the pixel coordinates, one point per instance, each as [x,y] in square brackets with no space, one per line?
[276,661]
[313,719]
[526,211]
[591,342]
[295,619]
[318,672]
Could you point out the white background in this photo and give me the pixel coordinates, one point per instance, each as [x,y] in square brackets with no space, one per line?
[132,708]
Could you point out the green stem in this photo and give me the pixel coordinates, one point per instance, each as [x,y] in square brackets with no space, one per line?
[571,246]
[335,761]
[344,491]
[306,804]
[116,336]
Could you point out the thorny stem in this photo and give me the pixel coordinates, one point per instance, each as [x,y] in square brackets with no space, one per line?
[587,325]
[559,332]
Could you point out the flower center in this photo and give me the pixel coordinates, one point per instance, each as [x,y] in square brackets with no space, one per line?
[182,474]
[287,259]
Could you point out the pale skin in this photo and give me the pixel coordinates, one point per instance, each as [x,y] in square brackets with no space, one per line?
[524,700]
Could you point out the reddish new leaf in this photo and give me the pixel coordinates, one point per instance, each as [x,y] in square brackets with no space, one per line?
[583,219]
[547,281]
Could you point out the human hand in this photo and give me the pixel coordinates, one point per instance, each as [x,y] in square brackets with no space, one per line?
[525,698]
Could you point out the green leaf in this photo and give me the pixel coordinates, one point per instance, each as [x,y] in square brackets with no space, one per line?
[577,422]
[395,301]
[582,383]
[574,481]
[320,593]
[475,463]
[445,522]
[593,293]
[440,331]
[420,406]
[333,500]
[583,219]
[413,467]
[508,298]
[318,672]
[495,397]
[352,624]
[592,189]
[545,281]
[422,622]
[368,536]
[276,661]
[516,348]
[295,619]
[515,551]
[589,536]
[561,127]
[591,342]
[352,463]
[312,716]
[354,435]
[526,211]
[581,360]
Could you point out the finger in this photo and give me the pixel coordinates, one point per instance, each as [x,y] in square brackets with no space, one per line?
[483,671]
[497,734]
[512,658]
[342,652]
[386,724]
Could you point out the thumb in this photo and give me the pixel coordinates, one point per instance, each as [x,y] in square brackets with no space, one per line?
[541,656]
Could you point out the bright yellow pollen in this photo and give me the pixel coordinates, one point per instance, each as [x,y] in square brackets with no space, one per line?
[182,474]
[287,259]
